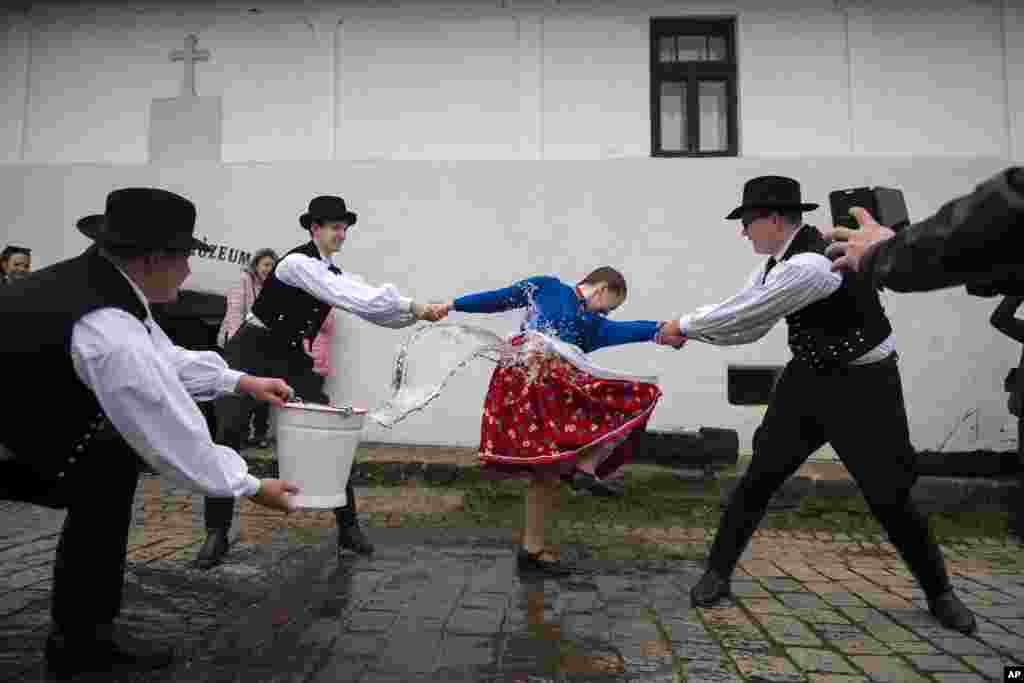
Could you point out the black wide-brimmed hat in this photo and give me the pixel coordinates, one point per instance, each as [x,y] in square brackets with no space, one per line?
[12,249]
[327,209]
[144,217]
[771,192]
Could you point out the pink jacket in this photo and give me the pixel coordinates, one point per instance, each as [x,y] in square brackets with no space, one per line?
[240,300]
[321,348]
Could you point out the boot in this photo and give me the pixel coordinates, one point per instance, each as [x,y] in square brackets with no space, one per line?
[214,549]
[952,613]
[70,655]
[351,537]
[711,588]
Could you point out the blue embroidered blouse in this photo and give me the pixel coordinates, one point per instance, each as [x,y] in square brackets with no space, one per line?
[557,309]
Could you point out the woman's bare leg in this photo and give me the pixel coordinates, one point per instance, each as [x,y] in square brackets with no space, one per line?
[539,501]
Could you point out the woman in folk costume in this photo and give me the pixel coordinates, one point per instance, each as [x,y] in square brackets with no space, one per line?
[550,413]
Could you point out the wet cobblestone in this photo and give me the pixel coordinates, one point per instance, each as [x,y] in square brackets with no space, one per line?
[449,606]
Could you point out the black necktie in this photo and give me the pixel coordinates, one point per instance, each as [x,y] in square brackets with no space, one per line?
[768,268]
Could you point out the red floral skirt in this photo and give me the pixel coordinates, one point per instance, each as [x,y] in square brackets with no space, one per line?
[541,415]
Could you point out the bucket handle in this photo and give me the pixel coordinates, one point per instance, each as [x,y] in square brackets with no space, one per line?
[346,411]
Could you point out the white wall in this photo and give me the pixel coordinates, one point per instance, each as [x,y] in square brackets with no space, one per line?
[511,80]
[440,229]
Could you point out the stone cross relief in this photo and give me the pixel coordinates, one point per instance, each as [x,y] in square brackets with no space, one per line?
[190,55]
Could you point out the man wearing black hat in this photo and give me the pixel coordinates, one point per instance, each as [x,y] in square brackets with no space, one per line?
[843,355]
[15,262]
[290,309]
[80,345]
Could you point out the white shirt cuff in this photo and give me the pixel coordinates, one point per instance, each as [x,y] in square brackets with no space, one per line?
[683,323]
[229,381]
[405,304]
[252,486]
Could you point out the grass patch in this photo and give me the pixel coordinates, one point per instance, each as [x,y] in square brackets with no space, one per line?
[655,500]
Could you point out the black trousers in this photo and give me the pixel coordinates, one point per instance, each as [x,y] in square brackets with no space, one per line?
[860,411]
[254,351]
[88,576]
[261,420]
[1017,504]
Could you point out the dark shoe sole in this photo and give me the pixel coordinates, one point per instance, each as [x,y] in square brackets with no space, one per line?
[529,564]
[584,482]
[969,624]
[695,602]
[365,552]
[206,561]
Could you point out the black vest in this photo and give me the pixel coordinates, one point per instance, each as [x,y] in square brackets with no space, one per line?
[291,314]
[842,327]
[50,418]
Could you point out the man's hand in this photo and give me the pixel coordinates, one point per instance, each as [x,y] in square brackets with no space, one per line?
[268,389]
[849,246]
[670,334]
[430,312]
[275,494]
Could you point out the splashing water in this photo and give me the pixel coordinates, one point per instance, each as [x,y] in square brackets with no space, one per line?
[427,360]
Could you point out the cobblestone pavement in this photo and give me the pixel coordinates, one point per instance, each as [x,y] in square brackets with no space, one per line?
[447,605]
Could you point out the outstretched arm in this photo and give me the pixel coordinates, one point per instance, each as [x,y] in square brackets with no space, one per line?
[491,301]
[750,314]
[974,238]
[498,300]
[1004,320]
[382,305]
[617,332]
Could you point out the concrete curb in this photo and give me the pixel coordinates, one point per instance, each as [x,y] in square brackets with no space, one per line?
[931,493]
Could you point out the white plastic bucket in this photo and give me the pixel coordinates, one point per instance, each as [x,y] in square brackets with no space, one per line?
[315,448]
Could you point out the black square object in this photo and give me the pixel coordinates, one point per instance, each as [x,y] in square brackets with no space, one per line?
[751,385]
[886,204]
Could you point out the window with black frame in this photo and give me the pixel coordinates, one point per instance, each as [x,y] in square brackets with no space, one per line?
[693,87]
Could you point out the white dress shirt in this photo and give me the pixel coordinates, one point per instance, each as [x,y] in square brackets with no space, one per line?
[751,313]
[383,305]
[146,385]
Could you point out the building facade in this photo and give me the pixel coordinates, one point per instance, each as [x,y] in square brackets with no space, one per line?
[482,142]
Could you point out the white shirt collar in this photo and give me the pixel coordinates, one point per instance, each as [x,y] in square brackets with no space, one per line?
[785,245]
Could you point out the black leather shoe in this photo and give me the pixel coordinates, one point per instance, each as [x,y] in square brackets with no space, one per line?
[587,482]
[352,538]
[710,589]
[531,563]
[214,549]
[1016,528]
[67,657]
[952,613]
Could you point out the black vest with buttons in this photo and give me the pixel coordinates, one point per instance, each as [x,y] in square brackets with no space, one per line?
[840,328]
[50,417]
[291,314]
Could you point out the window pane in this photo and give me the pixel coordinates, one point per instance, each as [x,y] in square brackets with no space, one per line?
[667,49]
[673,117]
[716,49]
[714,116]
[691,48]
